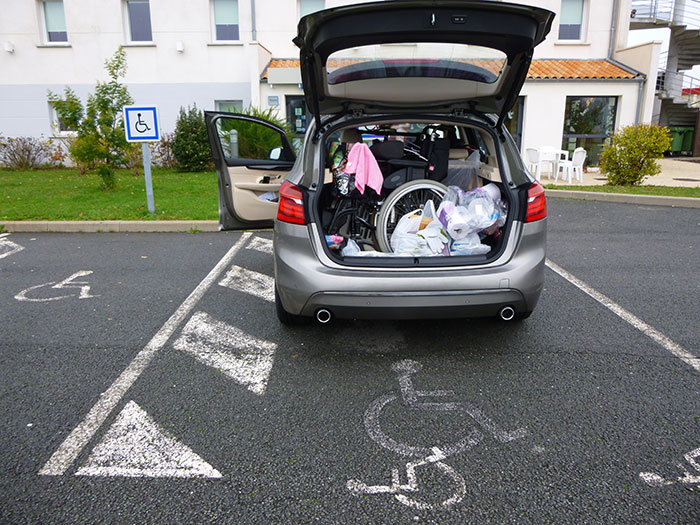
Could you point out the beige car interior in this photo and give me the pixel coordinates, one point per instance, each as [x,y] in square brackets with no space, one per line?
[247,189]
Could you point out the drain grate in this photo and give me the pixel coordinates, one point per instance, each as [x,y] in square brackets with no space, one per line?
[686,180]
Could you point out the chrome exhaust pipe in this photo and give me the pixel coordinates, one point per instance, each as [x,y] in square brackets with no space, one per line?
[323,316]
[507,313]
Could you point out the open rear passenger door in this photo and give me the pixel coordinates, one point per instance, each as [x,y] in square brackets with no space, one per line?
[252,158]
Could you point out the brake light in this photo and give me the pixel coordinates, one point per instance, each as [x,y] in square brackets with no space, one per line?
[536,203]
[291,206]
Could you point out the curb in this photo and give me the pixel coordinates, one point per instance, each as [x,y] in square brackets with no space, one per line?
[652,200]
[110,226]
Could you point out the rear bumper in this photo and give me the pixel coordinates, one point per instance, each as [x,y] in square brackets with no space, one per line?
[399,305]
[305,284]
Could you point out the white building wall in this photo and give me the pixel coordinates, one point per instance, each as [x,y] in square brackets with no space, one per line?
[206,71]
[545,104]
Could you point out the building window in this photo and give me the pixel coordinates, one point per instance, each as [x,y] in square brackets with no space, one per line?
[226,19]
[55,21]
[296,113]
[59,126]
[138,14]
[229,106]
[589,123]
[571,20]
[306,7]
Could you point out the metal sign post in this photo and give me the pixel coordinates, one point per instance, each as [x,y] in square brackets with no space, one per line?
[141,125]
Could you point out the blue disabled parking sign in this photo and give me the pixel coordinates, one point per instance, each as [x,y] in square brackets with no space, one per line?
[141,123]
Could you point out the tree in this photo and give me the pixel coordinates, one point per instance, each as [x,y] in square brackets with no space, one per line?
[190,145]
[100,137]
[630,158]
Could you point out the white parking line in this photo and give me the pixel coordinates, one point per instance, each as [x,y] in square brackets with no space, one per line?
[242,357]
[651,332]
[66,453]
[251,282]
[261,244]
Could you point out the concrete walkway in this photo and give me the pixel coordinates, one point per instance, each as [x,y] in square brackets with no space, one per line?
[674,172]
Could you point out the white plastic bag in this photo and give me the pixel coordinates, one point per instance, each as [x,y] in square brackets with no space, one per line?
[469,245]
[408,224]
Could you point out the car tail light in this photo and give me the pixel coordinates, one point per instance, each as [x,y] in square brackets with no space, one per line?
[291,206]
[536,203]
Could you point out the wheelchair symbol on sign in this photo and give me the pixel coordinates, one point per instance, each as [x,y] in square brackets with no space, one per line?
[140,125]
[424,455]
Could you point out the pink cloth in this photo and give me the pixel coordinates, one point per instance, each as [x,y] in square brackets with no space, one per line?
[362,163]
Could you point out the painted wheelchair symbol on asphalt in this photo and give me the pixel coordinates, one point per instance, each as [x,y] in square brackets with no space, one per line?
[64,284]
[425,455]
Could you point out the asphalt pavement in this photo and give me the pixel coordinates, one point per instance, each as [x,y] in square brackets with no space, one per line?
[145,378]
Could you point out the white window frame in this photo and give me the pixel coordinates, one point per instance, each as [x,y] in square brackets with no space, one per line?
[45,30]
[127,27]
[583,37]
[212,19]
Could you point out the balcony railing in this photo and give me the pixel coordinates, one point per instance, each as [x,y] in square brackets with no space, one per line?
[679,86]
[680,12]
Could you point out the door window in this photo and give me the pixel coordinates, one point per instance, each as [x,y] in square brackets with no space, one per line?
[244,140]
[296,114]
[589,123]
[514,121]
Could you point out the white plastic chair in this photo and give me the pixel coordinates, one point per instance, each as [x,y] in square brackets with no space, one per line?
[532,160]
[577,160]
[572,167]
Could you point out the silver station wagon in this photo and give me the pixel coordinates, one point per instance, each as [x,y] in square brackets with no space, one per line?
[406,198]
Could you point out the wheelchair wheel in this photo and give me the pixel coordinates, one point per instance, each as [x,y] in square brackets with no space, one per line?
[406,198]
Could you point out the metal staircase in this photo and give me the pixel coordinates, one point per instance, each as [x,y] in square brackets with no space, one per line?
[678,92]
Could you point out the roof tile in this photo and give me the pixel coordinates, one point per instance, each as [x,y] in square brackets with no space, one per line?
[539,69]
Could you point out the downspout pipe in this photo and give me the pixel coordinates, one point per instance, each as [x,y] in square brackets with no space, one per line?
[611,49]
[252,20]
[613,30]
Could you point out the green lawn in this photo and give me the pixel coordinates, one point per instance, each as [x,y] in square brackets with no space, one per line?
[63,194]
[669,191]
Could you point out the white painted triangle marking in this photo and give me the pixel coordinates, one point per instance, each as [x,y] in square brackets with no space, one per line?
[136,447]
[244,358]
[260,244]
[250,282]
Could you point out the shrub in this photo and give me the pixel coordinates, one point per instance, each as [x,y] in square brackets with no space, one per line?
[630,158]
[109,180]
[23,153]
[190,144]
[100,131]
[162,151]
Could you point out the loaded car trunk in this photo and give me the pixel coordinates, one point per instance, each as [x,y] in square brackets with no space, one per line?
[379,177]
